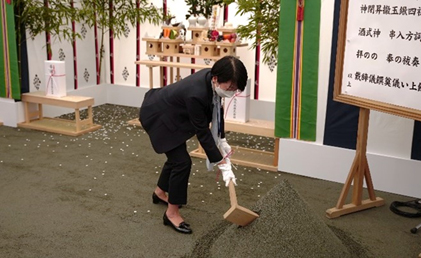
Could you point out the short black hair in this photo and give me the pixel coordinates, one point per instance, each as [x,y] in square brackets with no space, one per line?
[230,68]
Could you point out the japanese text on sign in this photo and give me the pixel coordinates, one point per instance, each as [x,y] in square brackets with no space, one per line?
[382,52]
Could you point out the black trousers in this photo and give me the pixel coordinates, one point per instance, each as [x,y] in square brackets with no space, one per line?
[175,174]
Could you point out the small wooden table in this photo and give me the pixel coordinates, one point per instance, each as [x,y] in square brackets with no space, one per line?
[36,120]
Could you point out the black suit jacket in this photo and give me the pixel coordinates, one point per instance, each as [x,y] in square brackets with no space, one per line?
[173,114]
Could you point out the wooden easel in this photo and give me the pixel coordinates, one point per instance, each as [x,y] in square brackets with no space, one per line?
[359,170]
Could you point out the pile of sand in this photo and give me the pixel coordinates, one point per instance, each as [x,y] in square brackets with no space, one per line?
[286,228]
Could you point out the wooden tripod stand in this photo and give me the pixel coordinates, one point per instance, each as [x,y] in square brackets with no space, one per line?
[358,172]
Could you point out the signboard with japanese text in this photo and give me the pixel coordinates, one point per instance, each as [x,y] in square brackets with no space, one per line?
[378,58]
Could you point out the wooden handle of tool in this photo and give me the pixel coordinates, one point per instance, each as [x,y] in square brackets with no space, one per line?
[233,196]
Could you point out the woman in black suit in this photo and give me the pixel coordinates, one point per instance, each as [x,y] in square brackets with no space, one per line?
[173,114]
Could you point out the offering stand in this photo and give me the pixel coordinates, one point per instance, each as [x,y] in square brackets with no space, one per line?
[171,48]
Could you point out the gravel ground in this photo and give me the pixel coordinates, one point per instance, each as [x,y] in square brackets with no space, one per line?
[90,196]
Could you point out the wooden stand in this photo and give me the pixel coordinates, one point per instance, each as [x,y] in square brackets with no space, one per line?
[36,120]
[169,48]
[151,64]
[250,157]
[1,123]
[358,172]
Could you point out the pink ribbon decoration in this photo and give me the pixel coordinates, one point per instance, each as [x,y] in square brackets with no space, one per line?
[237,95]
[51,79]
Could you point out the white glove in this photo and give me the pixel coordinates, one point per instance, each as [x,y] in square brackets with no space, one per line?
[224,147]
[227,173]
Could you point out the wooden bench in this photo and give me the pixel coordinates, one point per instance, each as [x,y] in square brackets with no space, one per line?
[135,122]
[250,157]
[245,156]
[36,120]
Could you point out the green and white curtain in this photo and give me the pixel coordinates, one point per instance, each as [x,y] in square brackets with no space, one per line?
[298,57]
[9,71]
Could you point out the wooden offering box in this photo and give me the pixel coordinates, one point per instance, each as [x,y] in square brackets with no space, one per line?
[171,46]
[227,49]
[153,46]
[196,34]
[208,49]
[188,49]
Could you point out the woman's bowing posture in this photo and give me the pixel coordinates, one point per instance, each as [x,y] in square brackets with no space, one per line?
[173,114]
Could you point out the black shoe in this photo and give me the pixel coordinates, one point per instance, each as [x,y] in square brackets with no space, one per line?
[182,228]
[156,200]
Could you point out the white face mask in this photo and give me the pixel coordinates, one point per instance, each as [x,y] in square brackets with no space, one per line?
[223,93]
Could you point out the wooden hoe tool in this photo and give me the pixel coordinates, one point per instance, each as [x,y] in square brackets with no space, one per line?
[238,214]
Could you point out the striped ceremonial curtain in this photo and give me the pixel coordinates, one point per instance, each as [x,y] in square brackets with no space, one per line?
[9,74]
[297,75]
